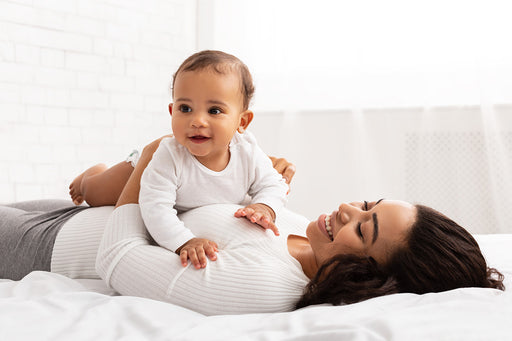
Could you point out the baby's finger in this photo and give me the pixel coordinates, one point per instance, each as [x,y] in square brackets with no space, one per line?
[249,212]
[214,245]
[192,255]
[184,257]
[240,213]
[270,225]
[210,251]
[201,256]
[256,217]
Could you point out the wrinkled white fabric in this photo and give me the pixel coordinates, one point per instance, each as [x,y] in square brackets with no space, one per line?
[48,306]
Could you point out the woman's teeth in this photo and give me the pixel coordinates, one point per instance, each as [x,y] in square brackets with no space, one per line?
[328,225]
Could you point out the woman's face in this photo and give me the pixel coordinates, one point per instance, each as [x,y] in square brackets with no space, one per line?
[372,229]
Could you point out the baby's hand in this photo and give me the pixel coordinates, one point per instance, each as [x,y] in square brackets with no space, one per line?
[197,249]
[259,214]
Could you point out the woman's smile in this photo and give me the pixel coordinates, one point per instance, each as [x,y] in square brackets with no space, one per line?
[326,224]
[322,225]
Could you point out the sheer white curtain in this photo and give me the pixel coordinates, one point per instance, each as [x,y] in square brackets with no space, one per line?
[398,99]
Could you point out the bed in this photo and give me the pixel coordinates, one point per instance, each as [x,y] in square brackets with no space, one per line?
[47,306]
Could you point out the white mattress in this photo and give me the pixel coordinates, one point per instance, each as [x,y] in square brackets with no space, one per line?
[46,306]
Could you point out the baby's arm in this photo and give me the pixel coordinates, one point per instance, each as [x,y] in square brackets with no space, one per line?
[268,192]
[262,214]
[157,199]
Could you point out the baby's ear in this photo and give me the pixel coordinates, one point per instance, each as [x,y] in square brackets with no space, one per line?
[245,119]
[170,108]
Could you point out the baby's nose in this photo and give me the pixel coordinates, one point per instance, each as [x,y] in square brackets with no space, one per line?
[198,120]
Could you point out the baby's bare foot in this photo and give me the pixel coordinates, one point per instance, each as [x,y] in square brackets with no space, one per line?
[75,188]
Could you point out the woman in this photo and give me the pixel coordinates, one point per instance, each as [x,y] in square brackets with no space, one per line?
[360,251]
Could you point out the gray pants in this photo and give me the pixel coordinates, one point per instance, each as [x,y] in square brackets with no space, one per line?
[27,234]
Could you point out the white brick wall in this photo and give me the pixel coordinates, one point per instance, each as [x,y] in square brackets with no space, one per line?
[83,82]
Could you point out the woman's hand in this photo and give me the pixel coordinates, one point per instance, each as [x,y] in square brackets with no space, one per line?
[284,167]
[197,249]
[259,214]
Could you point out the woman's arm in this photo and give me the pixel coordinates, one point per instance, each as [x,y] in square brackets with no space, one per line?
[130,193]
[283,167]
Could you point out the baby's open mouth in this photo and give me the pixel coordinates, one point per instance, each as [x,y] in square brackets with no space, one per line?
[199,138]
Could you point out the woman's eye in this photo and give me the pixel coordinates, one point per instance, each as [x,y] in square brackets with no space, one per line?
[185,108]
[359,232]
[215,111]
[365,205]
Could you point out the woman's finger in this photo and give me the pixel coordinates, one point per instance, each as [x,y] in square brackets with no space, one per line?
[284,167]
[289,172]
[279,164]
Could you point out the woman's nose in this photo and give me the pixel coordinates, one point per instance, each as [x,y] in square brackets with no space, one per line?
[348,212]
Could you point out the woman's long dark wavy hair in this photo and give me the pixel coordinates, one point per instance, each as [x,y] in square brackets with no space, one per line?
[438,255]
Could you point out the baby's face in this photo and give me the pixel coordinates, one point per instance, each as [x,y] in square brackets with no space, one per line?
[206,113]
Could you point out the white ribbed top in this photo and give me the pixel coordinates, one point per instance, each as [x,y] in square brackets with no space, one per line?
[76,245]
[253,273]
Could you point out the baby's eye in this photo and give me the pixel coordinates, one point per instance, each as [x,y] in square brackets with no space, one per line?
[215,111]
[185,108]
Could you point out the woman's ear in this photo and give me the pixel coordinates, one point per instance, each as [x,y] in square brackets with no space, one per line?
[245,119]
[170,108]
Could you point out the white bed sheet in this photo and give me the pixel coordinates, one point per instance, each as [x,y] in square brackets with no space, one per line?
[46,306]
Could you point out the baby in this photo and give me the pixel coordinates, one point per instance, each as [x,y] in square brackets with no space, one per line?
[211,157]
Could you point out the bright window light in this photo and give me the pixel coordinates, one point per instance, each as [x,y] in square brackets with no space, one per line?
[358,54]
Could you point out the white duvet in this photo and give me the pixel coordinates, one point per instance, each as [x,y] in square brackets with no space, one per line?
[46,306]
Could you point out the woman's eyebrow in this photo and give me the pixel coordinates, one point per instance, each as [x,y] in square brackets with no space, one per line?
[375,227]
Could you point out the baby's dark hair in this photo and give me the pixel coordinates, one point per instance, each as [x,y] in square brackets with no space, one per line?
[221,63]
[438,255]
